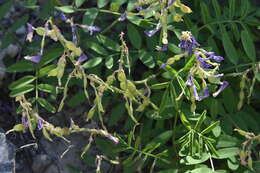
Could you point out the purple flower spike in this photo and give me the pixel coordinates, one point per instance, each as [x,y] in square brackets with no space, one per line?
[163,65]
[63,17]
[195,92]
[30,31]
[122,17]
[205,94]
[35,59]
[114,139]
[189,81]
[82,57]
[188,42]
[91,29]
[218,58]
[25,121]
[221,88]
[163,48]
[150,33]
[203,62]
[40,124]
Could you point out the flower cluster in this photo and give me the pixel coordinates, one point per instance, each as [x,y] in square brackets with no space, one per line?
[205,67]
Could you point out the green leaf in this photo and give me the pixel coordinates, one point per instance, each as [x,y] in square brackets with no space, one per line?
[184,121]
[45,70]
[102,3]
[46,88]
[97,48]
[78,3]
[173,48]
[227,141]
[20,22]
[165,100]
[248,45]
[23,90]
[232,6]
[147,59]
[229,48]
[50,55]
[92,62]
[216,7]
[109,62]
[200,121]
[192,160]
[204,12]
[45,104]
[226,153]
[66,9]
[21,82]
[108,43]
[200,170]
[134,36]
[210,128]
[5,8]
[160,85]
[161,139]
[90,16]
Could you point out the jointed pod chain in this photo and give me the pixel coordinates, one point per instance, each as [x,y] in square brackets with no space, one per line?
[127,88]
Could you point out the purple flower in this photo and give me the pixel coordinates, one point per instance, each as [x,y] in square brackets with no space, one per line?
[221,88]
[163,48]
[163,65]
[195,92]
[91,29]
[25,121]
[82,58]
[188,42]
[40,124]
[203,62]
[35,59]
[150,33]
[74,36]
[122,17]
[114,139]
[205,94]
[63,17]
[30,31]
[211,55]
[170,2]
[139,8]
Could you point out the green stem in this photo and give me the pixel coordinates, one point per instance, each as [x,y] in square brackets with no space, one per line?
[109,27]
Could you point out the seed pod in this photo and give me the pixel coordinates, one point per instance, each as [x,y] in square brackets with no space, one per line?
[131,87]
[123,85]
[121,76]
[185,9]
[110,79]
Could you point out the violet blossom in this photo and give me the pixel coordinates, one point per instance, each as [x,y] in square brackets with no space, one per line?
[150,33]
[188,42]
[63,17]
[91,29]
[163,65]
[25,121]
[82,57]
[35,59]
[205,92]
[40,124]
[30,32]
[170,2]
[163,48]
[221,88]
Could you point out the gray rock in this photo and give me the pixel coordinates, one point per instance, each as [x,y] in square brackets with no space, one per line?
[7,155]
